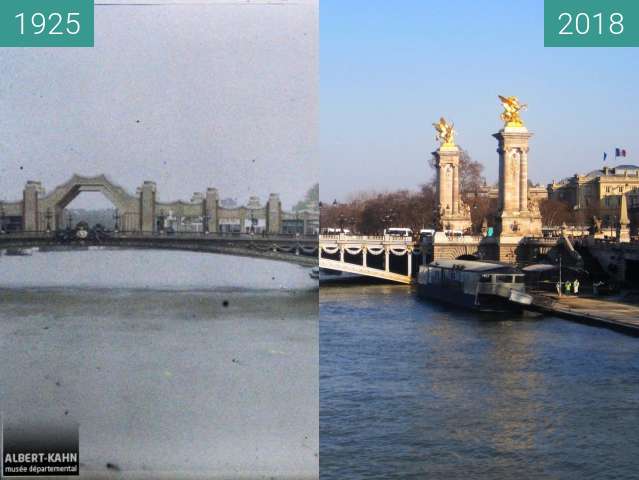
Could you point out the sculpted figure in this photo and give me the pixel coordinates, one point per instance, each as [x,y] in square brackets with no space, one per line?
[596,223]
[512,107]
[533,207]
[445,133]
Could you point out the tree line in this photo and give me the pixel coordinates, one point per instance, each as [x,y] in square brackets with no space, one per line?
[369,213]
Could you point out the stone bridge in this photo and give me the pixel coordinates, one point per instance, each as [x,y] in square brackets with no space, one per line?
[143,212]
[301,250]
[518,250]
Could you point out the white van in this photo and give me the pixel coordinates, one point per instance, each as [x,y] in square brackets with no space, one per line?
[426,232]
[335,231]
[398,232]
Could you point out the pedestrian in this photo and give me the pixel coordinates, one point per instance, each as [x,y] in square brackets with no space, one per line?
[575,286]
[568,285]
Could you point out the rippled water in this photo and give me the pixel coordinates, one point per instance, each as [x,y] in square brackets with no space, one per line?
[411,390]
[178,362]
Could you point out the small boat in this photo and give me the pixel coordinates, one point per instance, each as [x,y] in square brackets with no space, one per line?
[482,286]
[18,252]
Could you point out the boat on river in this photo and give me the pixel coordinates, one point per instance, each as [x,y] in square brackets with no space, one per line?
[483,286]
[18,252]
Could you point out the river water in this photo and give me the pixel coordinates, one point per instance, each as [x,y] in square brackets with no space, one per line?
[171,362]
[415,390]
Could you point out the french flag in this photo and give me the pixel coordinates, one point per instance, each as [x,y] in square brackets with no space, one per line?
[620,152]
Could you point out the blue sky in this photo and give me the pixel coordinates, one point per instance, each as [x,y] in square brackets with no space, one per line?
[389,69]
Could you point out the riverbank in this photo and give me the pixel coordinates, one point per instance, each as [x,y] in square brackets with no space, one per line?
[609,313]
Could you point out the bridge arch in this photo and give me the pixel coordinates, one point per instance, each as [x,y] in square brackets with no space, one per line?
[54,204]
[141,211]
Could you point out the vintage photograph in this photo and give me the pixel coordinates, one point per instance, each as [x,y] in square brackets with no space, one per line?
[159,219]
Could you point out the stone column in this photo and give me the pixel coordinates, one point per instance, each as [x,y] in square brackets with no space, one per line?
[386,260]
[30,212]
[273,214]
[243,220]
[147,207]
[448,189]
[409,255]
[523,180]
[455,205]
[510,203]
[364,259]
[513,184]
[210,209]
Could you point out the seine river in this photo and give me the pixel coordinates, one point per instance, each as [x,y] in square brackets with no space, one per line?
[169,361]
[412,390]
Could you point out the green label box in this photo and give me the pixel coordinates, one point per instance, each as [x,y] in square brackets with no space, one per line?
[46,23]
[591,23]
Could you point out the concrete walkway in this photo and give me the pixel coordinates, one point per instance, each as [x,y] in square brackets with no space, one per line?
[607,312]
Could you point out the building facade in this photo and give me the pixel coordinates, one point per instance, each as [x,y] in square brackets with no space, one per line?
[599,192]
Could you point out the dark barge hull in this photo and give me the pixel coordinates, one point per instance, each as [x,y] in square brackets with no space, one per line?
[456,298]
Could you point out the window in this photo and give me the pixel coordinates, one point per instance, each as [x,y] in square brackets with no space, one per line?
[504,278]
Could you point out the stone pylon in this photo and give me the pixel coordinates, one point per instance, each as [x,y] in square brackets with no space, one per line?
[518,216]
[454,214]
[623,228]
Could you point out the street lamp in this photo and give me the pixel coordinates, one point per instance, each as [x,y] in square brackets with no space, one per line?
[49,215]
[116,217]
[162,220]
[341,219]
[253,222]
[388,218]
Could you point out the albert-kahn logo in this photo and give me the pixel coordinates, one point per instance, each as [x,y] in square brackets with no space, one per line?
[45,449]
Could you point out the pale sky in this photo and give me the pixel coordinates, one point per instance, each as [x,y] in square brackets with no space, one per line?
[188,94]
[389,69]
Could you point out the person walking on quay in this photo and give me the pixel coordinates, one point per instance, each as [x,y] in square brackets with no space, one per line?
[575,286]
[568,285]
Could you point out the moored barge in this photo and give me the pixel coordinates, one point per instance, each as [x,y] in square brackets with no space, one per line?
[483,286]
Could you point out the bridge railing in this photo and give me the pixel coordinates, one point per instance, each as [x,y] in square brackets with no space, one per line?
[343,238]
[176,235]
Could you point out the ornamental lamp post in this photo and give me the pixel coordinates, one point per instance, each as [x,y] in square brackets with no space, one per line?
[341,220]
[116,217]
[253,223]
[49,215]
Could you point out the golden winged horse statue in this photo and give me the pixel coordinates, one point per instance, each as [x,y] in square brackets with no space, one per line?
[445,134]
[512,107]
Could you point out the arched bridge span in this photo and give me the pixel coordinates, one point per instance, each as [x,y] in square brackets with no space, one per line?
[301,250]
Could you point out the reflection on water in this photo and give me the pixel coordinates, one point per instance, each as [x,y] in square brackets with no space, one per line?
[410,389]
[150,269]
[170,362]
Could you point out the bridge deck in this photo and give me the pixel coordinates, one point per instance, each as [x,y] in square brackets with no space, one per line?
[366,271]
[299,250]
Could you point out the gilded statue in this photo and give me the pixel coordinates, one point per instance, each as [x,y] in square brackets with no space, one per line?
[445,133]
[512,107]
